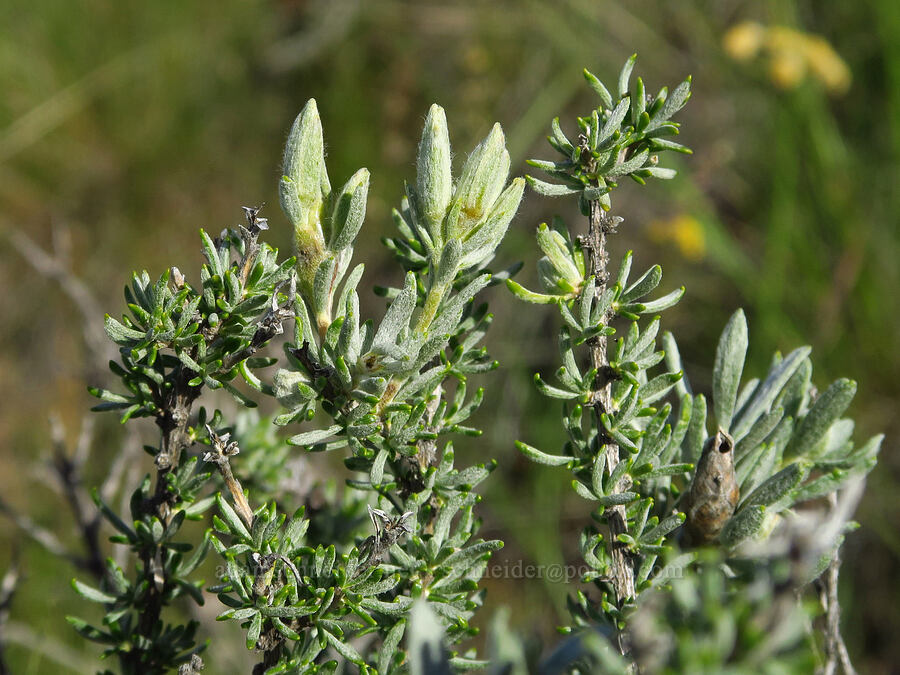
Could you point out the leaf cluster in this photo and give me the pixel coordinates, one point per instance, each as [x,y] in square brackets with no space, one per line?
[181,337]
[623,136]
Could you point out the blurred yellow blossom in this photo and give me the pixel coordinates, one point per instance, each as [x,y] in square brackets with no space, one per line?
[792,55]
[684,231]
[744,41]
[827,65]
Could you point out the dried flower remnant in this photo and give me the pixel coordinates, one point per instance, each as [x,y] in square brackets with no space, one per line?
[714,492]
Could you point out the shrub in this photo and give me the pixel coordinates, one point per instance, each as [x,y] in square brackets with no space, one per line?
[705,521]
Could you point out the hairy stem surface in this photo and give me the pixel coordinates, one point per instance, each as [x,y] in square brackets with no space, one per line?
[622,573]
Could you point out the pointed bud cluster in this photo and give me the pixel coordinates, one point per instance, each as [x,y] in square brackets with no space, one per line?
[475,215]
[325,225]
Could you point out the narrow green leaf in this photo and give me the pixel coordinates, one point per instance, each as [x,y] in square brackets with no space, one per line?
[599,89]
[777,486]
[91,593]
[625,75]
[744,525]
[584,491]
[397,316]
[314,436]
[664,528]
[530,296]
[616,117]
[828,407]
[658,387]
[536,455]
[765,393]
[659,172]
[674,102]
[553,392]
[111,515]
[254,631]
[471,554]
[821,486]
[758,433]
[120,334]
[349,210]
[389,646]
[618,499]
[729,364]
[624,269]
[231,518]
[212,255]
[696,432]
[377,471]
[666,470]
[555,247]
[648,281]
[673,363]
[88,632]
[342,648]
[660,304]
[398,607]
[560,138]
[629,165]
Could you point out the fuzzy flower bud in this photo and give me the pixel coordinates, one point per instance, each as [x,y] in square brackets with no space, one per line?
[434,183]
[304,188]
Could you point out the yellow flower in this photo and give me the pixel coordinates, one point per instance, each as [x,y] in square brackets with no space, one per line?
[684,231]
[827,65]
[743,42]
[787,69]
[791,55]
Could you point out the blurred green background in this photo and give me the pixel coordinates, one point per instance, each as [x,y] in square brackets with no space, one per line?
[126,126]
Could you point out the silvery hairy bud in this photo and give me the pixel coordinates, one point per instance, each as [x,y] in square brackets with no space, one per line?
[304,188]
[434,182]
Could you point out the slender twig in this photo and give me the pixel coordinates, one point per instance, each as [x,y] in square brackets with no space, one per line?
[329,23]
[123,460]
[63,474]
[67,472]
[8,587]
[428,455]
[54,267]
[622,572]
[175,411]
[250,235]
[65,468]
[70,100]
[223,448]
[835,650]
[40,535]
